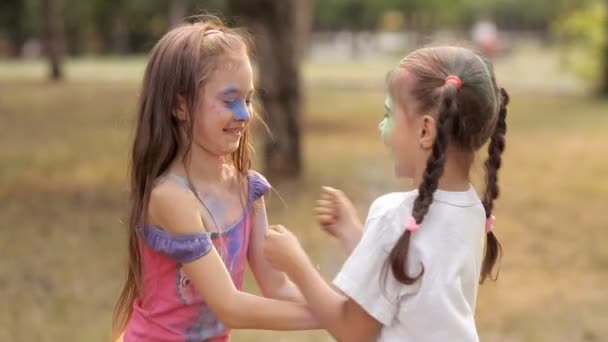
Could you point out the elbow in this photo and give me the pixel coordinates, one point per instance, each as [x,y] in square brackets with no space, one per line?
[341,332]
[228,319]
[343,336]
[346,336]
[231,323]
[230,315]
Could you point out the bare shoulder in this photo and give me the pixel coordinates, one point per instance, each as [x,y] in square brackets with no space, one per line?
[174,208]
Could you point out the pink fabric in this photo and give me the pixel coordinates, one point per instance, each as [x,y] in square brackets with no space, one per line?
[170,309]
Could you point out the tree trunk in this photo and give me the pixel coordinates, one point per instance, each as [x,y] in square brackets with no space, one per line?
[53,38]
[303,27]
[16,24]
[177,12]
[279,33]
[120,30]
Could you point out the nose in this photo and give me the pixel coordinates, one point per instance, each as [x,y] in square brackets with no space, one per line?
[240,111]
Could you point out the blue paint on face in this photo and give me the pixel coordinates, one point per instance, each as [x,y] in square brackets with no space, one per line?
[237,105]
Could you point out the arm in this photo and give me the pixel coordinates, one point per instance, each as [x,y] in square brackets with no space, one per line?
[177,211]
[340,315]
[240,310]
[272,283]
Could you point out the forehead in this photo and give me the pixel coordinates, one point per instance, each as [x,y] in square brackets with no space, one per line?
[401,90]
[234,72]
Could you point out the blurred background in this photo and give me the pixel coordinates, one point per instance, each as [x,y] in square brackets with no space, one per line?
[70,73]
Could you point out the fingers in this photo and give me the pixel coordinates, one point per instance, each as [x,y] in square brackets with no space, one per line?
[277,228]
[274,231]
[324,211]
[326,219]
[328,196]
[329,191]
[334,195]
[325,207]
[324,203]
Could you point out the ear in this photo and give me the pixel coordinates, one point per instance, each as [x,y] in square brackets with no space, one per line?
[180,111]
[427,132]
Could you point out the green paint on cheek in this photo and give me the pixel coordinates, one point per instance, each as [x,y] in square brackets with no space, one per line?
[386,126]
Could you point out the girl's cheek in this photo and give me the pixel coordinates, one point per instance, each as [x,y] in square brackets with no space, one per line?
[386,130]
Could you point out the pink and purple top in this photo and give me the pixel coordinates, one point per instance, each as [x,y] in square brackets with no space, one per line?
[170,308]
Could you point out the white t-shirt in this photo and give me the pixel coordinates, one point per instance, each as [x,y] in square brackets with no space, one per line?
[440,306]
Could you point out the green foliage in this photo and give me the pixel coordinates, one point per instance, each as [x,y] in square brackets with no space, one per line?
[583,36]
[90,25]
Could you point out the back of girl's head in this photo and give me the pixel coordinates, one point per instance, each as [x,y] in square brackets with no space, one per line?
[458,86]
[178,68]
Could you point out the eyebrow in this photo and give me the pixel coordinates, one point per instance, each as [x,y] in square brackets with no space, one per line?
[231,91]
[234,91]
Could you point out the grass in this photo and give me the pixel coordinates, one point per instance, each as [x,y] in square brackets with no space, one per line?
[63,194]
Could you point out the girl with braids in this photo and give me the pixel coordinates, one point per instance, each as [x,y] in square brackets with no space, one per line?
[197,211]
[413,274]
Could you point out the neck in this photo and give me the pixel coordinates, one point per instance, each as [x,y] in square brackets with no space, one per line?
[455,171]
[201,165]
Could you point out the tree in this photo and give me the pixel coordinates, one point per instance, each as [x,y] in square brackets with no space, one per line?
[53,38]
[279,33]
[583,34]
[120,29]
[12,18]
[177,12]
[604,76]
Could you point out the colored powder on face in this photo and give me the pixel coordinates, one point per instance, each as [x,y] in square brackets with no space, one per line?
[386,128]
[386,125]
[238,106]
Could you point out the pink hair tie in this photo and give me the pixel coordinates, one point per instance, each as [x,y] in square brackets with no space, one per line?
[208,32]
[454,80]
[490,223]
[411,224]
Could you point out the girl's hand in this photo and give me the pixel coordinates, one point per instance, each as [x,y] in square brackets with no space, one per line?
[337,216]
[283,250]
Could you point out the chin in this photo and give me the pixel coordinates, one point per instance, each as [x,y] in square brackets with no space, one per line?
[231,148]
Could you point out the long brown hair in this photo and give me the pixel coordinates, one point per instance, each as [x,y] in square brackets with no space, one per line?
[179,64]
[467,117]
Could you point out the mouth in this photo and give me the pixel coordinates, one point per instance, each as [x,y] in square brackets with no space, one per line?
[236,131]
